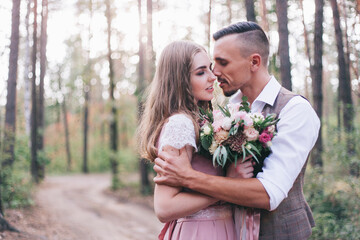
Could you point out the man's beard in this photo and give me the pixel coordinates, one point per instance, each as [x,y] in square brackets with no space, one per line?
[229,93]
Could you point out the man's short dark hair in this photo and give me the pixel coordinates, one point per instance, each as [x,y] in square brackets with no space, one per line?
[248,32]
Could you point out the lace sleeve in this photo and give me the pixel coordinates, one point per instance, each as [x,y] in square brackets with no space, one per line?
[178,132]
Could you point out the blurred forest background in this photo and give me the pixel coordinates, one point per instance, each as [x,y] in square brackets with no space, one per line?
[72,76]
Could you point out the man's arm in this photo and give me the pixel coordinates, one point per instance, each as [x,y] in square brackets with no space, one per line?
[177,171]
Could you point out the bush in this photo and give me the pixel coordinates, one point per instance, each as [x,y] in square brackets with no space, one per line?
[333,193]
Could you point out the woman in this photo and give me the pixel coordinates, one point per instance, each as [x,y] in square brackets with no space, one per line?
[183,82]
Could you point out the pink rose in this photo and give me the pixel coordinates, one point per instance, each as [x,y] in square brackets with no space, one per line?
[270,129]
[239,115]
[217,115]
[233,108]
[221,136]
[251,134]
[248,121]
[217,125]
[265,137]
[226,123]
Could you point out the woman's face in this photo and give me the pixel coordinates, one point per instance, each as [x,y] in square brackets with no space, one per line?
[201,77]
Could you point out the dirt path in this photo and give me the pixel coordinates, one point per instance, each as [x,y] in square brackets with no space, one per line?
[86,212]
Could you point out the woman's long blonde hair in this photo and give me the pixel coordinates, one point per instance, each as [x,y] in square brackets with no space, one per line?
[170,92]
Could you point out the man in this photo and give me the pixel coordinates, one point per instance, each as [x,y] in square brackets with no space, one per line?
[241,57]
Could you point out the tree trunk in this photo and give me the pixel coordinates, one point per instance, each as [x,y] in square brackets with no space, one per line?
[10,114]
[150,55]
[228,7]
[208,26]
[8,156]
[34,124]
[250,10]
[264,21]
[27,82]
[86,90]
[85,168]
[150,69]
[285,65]
[316,159]
[43,63]
[307,50]
[66,127]
[67,139]
[5,226]
[114,121]
[145,184]
[345,89]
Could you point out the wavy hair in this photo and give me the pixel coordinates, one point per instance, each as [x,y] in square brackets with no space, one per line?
[170,92]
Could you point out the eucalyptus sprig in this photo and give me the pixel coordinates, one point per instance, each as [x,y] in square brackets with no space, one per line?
[245,105]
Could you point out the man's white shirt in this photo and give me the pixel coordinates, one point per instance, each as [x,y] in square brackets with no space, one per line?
[298,130]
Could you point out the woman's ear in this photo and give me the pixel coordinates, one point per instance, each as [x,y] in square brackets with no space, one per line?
[255,62]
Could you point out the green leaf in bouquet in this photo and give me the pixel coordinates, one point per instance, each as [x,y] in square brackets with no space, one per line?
[253,147]
[206,115]
[243,151]
[245,106]
[225,111]
[206,141]
[216,155]
[231,154]
[218,160]
[222,156]
[233,130]
[249,151]
[235,158]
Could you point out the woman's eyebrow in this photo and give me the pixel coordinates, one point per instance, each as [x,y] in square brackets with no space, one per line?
[201,67]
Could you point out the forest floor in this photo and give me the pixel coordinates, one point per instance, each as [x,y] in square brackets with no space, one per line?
[81,207]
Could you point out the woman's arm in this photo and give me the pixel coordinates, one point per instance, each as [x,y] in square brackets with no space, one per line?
[171,203]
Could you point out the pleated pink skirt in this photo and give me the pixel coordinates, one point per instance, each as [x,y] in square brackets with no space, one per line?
[212,223]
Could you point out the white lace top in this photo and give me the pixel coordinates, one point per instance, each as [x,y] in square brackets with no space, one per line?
[178,132]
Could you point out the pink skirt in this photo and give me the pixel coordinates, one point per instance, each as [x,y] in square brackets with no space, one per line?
[212,223]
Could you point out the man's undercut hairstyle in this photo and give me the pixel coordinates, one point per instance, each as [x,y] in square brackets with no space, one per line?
[251,36]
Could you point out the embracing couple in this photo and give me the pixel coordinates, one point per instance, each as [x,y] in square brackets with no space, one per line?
[195,199]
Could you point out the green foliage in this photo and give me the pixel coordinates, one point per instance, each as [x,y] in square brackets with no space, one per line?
[16,184]
[42,158]
[333,194]
[245,105]
[15,188]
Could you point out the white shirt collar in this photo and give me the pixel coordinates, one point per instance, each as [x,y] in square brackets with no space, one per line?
[267,95]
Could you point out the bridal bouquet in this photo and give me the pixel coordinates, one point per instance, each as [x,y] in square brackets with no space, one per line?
[233,133]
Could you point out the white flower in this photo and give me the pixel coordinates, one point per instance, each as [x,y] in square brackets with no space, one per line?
[257,117]
[269,143]
[226,124]
[207,130]
[248,146]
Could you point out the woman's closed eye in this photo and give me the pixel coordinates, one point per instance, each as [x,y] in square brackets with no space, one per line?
[203,70]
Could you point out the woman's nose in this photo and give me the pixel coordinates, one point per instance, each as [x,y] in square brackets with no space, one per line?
[212,77]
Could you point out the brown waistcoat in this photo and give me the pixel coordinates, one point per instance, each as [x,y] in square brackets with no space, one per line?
[293,218]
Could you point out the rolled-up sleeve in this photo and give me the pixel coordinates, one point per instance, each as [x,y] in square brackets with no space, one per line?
[298,130]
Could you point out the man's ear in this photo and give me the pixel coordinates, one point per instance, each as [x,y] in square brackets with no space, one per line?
[255,62]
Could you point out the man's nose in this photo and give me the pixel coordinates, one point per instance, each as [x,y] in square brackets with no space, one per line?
[216,71]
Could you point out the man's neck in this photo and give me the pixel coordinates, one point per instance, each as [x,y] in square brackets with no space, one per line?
[256,86]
